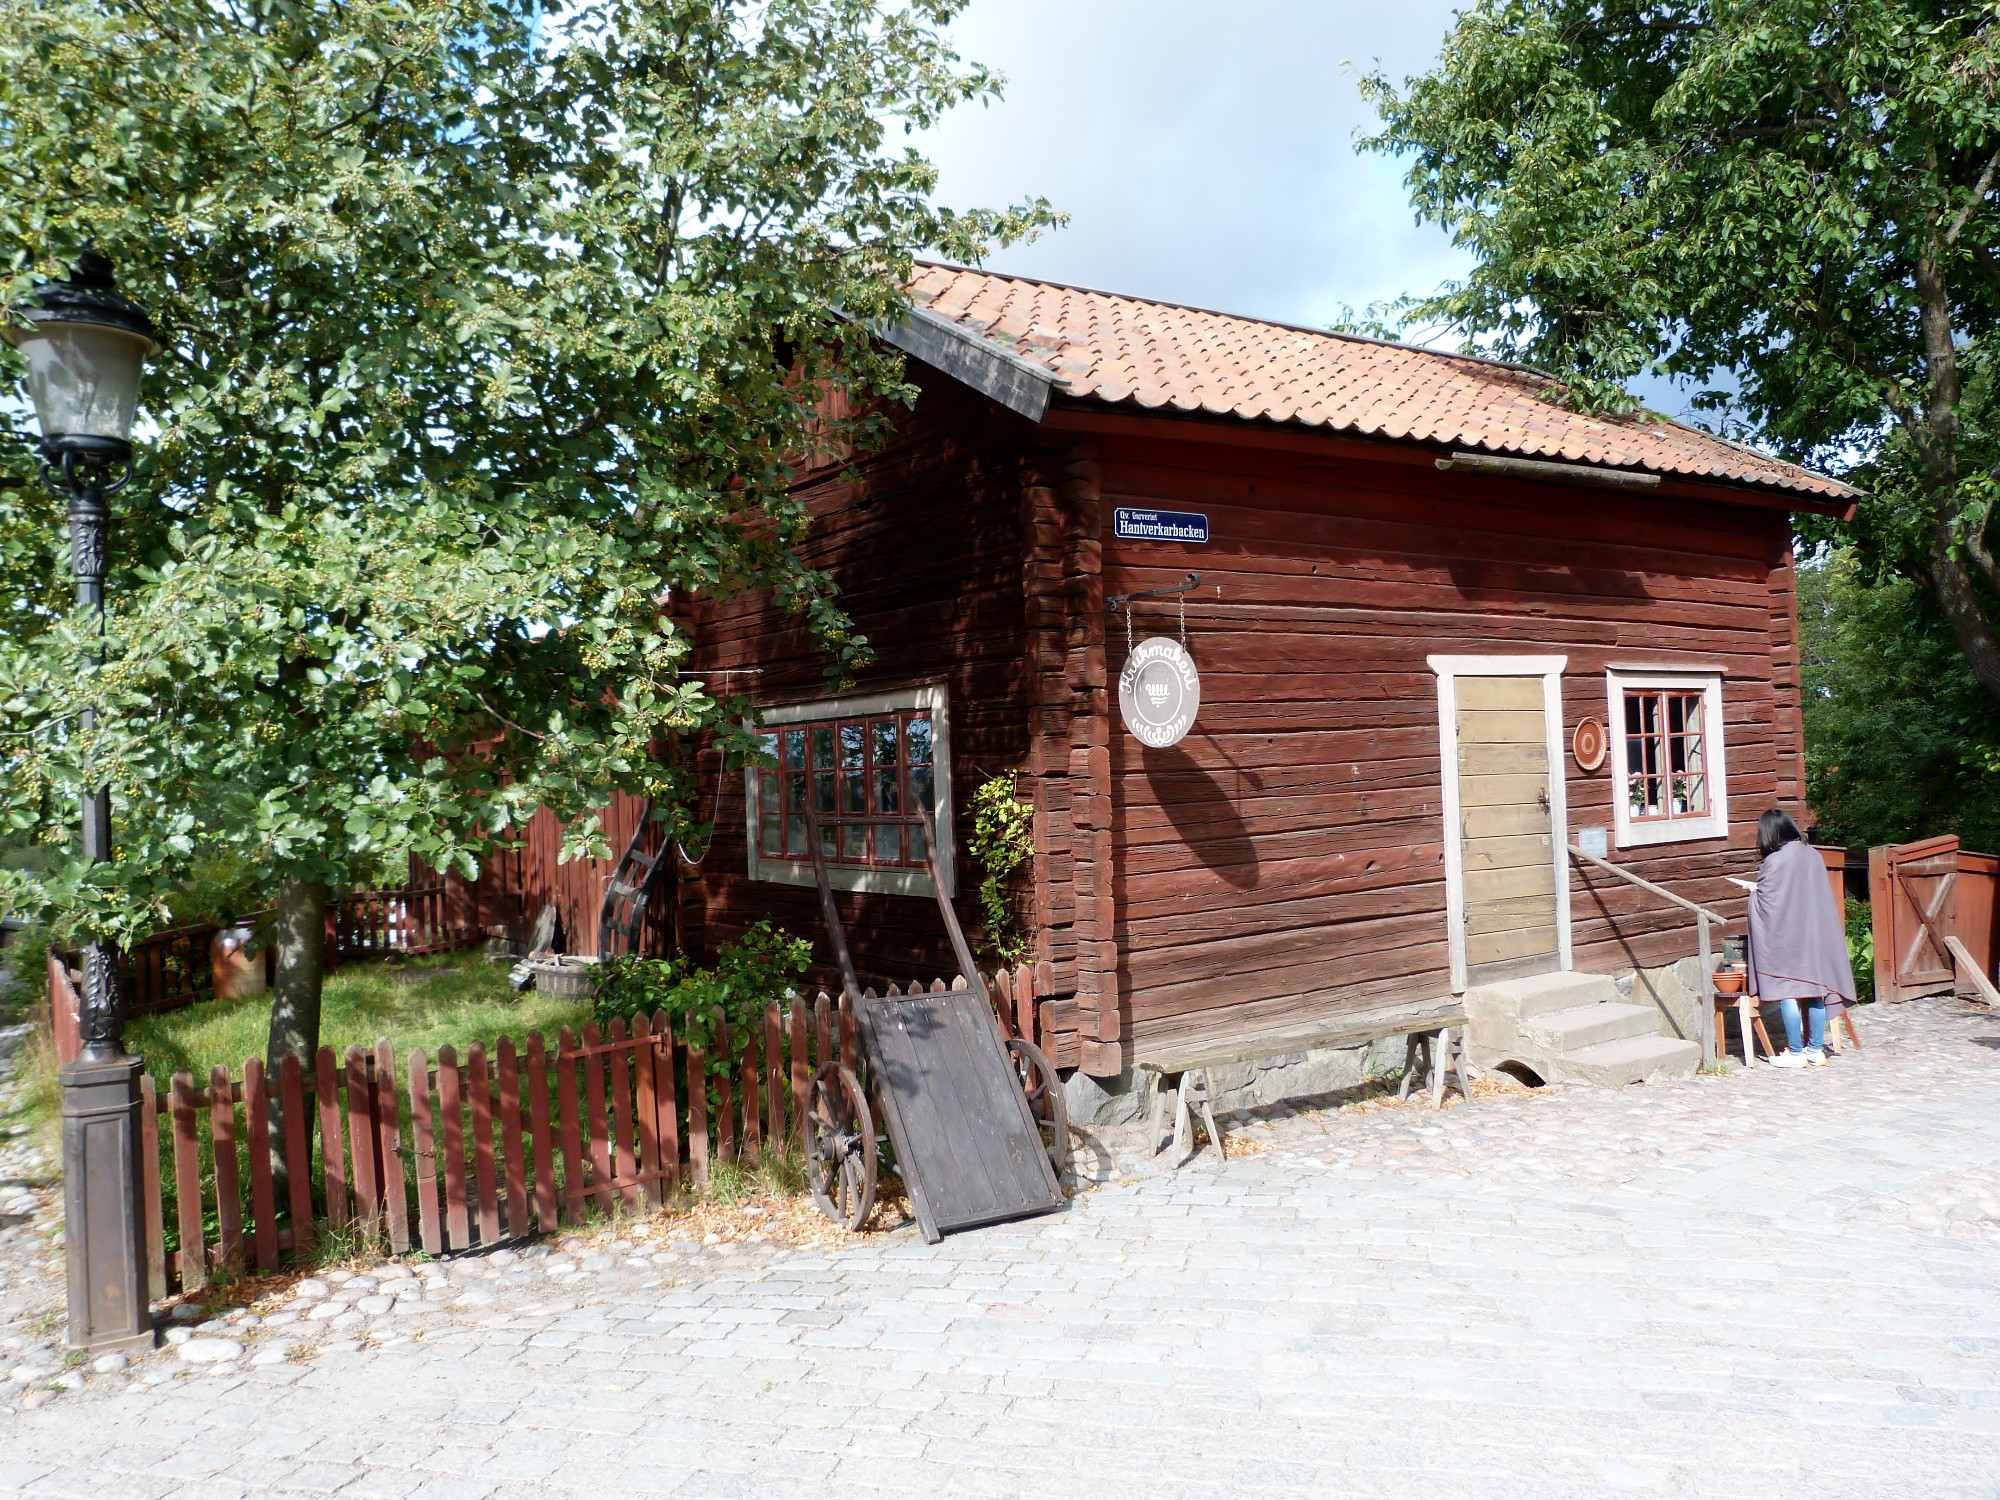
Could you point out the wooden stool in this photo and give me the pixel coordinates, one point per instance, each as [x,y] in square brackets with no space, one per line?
[1193,1092]
[1749,1022]
[1439,1059]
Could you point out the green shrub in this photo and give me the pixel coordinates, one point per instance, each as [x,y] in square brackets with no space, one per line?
[1861,947]
[1003,839]
[758,970]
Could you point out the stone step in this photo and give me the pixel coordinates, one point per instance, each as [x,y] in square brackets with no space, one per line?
[1512,1000]
[1588,1025]
[1639,1059]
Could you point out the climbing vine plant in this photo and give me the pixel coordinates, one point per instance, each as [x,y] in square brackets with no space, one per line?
[1003,838]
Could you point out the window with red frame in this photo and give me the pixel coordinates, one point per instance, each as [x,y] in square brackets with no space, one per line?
[1666,757]
[864,776]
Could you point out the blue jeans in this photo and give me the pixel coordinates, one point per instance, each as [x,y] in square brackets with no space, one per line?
[1815,1014]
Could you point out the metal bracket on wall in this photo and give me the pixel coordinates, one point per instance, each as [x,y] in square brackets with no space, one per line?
[1118,601]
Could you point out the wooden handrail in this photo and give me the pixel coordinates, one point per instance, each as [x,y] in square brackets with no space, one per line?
[1646,885]
[1702,917]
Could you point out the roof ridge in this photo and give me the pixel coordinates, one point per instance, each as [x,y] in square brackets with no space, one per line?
[1221,312]
[1458,398]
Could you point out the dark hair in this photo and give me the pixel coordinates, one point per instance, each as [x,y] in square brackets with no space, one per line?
[1775,830]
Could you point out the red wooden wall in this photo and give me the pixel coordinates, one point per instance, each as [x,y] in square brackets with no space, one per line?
[514,884]
[925,548]
[1285,861]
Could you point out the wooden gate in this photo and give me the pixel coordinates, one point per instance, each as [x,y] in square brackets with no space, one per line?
[1914,891]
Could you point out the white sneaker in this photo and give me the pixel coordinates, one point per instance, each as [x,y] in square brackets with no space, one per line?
[1789,1060]
[1815,1057]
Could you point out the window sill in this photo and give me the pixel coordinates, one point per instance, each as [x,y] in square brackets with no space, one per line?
[847,877]
[1685,831]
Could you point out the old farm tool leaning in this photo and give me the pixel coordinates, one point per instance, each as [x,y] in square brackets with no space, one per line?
[629,889]
[964,1112]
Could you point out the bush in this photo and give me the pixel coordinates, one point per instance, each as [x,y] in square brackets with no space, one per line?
[760,969]
[1861,947]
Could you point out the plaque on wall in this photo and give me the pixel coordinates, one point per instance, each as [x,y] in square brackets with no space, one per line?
[1159,691]
[1589,745]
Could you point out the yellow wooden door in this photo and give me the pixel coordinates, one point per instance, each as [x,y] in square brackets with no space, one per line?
[1506,831]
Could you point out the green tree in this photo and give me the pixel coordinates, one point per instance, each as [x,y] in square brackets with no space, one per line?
[487,332]
[1787,204]
[1902,742]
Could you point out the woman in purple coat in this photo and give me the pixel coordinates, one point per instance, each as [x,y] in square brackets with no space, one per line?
[1798,942]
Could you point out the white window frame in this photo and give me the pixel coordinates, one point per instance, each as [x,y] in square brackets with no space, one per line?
[1627,834]
[932,698]
[1550,669]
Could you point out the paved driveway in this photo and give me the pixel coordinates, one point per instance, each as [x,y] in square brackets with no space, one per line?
[1768,1286]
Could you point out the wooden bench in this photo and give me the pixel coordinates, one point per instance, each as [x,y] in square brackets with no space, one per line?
[1430,1027]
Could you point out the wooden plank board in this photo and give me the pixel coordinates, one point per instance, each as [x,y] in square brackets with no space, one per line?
[479,1092]
[430,1231]
[228,1188]
[541,1136]
[1526,758]
[967,1145]
[513,1163]
[1516,942]
[333,1173]
[298,1154]
[257,1141]
[1501,791]
[1499,728]
[451,1133]
[187,1186]
[1518,693]
[149,1154]
[389,1137]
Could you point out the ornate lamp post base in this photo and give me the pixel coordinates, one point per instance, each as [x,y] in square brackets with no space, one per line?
[105,1217]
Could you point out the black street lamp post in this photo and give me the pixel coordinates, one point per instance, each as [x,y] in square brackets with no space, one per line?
[85,345]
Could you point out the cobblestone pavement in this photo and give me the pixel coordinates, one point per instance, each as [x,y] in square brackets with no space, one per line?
[1774,1285]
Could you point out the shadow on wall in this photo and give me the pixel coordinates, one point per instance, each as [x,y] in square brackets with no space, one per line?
[1204,815]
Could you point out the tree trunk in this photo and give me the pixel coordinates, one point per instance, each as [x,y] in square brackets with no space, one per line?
[301,940]
[1957,593]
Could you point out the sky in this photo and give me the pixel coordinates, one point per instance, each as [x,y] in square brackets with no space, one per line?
[1204,149]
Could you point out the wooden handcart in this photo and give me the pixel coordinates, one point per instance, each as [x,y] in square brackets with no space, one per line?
[964,1107]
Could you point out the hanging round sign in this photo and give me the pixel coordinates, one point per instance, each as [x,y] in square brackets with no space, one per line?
[1159,692]
[1589,745]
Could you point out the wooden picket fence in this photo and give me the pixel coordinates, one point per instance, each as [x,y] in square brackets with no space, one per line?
[508,1143]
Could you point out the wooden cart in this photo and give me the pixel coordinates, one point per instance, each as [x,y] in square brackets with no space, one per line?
[964,1107]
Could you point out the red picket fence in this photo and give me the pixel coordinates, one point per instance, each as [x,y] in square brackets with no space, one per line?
[363,924]
[451,1155]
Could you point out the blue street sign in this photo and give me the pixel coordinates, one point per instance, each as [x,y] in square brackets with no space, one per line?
[1132,525]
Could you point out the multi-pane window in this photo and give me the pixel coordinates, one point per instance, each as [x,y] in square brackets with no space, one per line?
[862,777]
[1666,754]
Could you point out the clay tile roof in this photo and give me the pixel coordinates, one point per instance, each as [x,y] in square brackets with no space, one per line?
[1159,356]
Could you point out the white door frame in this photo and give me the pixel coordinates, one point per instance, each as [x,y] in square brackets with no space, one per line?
[1449,669]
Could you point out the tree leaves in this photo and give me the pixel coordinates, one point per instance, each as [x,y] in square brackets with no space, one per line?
[1785,204]
[487,333]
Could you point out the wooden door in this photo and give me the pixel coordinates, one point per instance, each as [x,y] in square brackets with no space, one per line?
[1506,829]
[1913,890]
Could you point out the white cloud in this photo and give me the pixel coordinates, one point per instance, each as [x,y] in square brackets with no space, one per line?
[1205,152]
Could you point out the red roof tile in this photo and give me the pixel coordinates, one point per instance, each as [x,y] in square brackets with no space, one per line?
[1132,350]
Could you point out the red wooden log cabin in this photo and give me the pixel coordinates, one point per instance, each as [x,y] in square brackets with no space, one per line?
[1419,576]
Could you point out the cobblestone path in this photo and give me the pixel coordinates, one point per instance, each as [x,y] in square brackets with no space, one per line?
[1775,1285]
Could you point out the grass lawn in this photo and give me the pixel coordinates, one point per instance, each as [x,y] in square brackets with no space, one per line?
[463,999]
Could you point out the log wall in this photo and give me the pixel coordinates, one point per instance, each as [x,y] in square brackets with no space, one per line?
[925,542]
[1286,860]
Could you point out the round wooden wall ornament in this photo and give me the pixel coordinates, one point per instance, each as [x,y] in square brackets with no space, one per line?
[1159,691]
[1589,745]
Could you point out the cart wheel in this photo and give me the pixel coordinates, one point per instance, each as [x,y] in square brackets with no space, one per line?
[840,1147]
[1045,1096]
